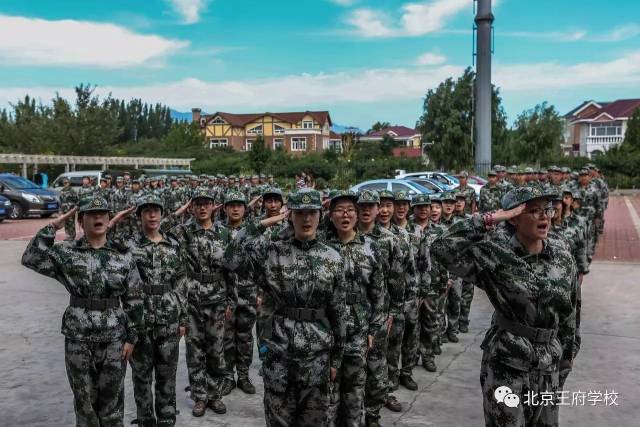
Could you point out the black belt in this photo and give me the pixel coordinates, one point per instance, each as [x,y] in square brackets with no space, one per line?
[156,289]
[303,314]
[203,278]
[95,304]
[536,335]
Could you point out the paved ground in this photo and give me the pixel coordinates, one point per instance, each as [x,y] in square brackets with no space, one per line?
[35,392]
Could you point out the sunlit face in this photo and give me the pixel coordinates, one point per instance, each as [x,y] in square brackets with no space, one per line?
[86,181]
[463,181]
[272,205]
[95,224]
[567,199]
[584,180]
[493,179]
[448,207]
[150,217]
[436,212]
[422,212]
[401,210]
[305,223]
[119,184]
[103,184]
[202,208]
[235,211]
[367,212]
[528,227]
[460,204]
[386,211]
[66,184]
[555,177]
[344,215]
[557,204]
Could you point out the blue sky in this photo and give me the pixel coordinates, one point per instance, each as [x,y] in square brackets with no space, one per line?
[363,60]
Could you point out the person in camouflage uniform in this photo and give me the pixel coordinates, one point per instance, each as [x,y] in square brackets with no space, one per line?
[86,190]
[211,300]
[376,388]
[458,311]
[468,192]
[603,193]
[591,208]
[365,314]
[104,318]
[119,203]
[68,200]
[490,194]
[305,339]
[531,282]
[449,312]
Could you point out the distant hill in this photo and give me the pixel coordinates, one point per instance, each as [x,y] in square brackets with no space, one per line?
[180,116]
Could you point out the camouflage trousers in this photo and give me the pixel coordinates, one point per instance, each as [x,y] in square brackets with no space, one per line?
[494,374]
[156,352]
[429,327]
[375,391]
[346,397]
[205,350]
[453,306]
[410,338]
[238,336]
[394,349]
[466,298]
[70,225]
[296,392]
[96,375]
[441,308]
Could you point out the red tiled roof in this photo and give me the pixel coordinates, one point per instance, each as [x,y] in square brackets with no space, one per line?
[334,135]
[400,131]
[616,109]
[240,120]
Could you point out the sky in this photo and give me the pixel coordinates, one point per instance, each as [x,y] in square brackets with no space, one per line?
[362,60]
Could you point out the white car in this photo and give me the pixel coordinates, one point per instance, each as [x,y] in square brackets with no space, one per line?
[447,180]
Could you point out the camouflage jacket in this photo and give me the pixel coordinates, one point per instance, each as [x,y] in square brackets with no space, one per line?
[68,199]
[87,191]
[107,272]
[120,199]
[363,284]
[539,291]
[310,275]
[433,276]
[470,195]
[574,230]
[203,253]
[490,198]
[392,266]
[591,206]
[161,264]
[603,190]
[411,236]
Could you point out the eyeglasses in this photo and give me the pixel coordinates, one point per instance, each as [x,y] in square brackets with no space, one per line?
[538,212]
[348,211]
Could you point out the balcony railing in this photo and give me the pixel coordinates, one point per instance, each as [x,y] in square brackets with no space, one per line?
[604,140]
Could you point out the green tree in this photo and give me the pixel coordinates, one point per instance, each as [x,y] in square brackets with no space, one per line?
[183,136]
[259,155]
[537,135]
[632,135]
[378,126]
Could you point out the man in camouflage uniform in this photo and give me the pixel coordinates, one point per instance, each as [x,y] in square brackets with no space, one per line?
[304,341]
[365,315]
[211,300]
[165,286]
[603,193]
[591,208]
[68,200]
[86,190]
[120,202]
[458,312]
[468,192]
[533,290]
[490,194]
[104,318]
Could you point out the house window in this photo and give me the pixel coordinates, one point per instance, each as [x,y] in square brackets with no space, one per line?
[298,144]
[248,143]
[278,130]
[255,130]
[307,124]
[278,143]
[218,121]
[606,129]
[216,143]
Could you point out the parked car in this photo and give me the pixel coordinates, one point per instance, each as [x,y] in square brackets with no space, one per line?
[75,178]
[27,198]
[392,185]
[449,181]
[5,208]
[431,184]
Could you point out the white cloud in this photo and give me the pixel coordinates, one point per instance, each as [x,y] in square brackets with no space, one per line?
[430,58]
[189,10]
[344,3]
[39,42]
[415,19]
[368,87]
[620,33]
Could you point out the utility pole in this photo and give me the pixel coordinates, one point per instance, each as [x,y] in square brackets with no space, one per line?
[484,22]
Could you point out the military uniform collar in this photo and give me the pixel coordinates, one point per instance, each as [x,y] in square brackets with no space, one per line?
[519,250]
[144,240]
[304,244]
[83,243]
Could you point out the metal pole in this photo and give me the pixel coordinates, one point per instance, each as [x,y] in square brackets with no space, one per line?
[484,20]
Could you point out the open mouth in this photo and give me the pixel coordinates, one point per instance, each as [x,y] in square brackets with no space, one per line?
[345,223]
[307,228]
[98,224]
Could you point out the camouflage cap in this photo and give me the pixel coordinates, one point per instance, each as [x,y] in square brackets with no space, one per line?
[583,171]
[148,200]
[436,199]
[421,200]
[500,168]
[448,196]
[565,169]
[271,192]
[512,170]
[492,172]
[529,169]
[203,193]
[386,194]
[590,166]
[520,195]
[235,197]
[343,194]
[135,181]
[554,168]
[305,198]
[574,175]
[93,204]
[368,196]
[402,196]
[65,179]
[269,176]
[120,179]
[458,194]
[262,176]
[463,174]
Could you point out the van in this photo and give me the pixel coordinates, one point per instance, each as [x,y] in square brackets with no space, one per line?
[75,178]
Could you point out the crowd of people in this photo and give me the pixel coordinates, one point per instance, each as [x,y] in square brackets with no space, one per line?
[343,294]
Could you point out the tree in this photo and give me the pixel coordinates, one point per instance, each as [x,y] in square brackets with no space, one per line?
[183,136]
[632,135]
[259,155]
[537,135]
[387,145]
[378,126]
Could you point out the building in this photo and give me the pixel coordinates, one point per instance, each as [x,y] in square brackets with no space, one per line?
[294,132]
[593,127]
[409,140]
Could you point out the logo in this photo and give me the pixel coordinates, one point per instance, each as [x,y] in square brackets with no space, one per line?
[503,394]
[96,203]
[366,196]
[306,199]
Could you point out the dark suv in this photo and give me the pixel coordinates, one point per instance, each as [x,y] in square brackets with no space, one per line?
[27,198]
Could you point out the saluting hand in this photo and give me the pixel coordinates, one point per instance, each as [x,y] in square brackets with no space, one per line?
[121,215]
[182,209]
[58,223]
[502,215]
[127,351]
[254,200]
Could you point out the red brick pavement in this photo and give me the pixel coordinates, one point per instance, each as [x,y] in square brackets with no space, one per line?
[620,241]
